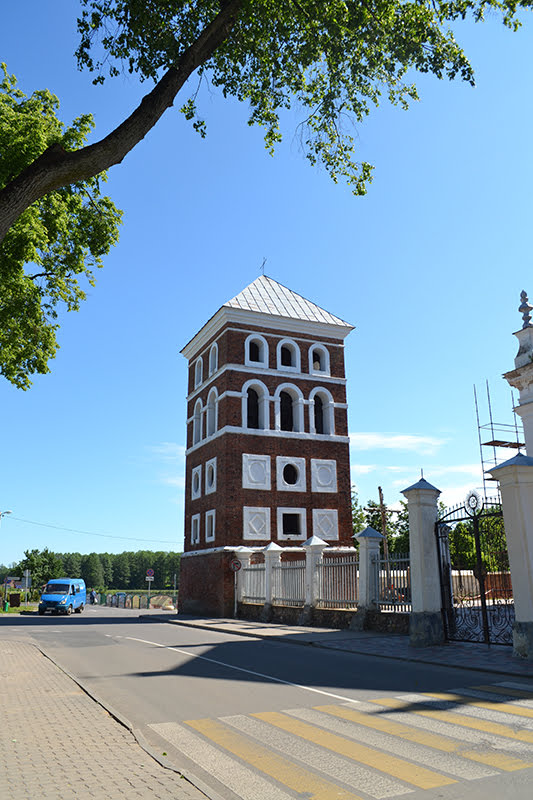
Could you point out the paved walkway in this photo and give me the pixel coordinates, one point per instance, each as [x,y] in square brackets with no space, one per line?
[57,742]
[496,658]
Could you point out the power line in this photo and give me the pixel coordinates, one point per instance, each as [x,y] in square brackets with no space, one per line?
[90,533]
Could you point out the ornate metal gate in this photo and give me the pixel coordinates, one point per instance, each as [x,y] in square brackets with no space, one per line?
[477,595]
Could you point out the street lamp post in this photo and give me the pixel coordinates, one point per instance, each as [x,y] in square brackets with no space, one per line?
[4,514]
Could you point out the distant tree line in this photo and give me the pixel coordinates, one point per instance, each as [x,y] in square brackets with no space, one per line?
[103,570]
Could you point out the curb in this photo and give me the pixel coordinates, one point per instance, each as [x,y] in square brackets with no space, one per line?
[289,640]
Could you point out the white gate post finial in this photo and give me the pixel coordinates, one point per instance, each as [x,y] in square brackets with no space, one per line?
[425,624]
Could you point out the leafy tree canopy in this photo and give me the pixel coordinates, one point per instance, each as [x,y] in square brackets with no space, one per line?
[332,59]
[54,243]
[43,565]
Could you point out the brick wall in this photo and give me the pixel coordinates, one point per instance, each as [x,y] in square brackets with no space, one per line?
[206,585]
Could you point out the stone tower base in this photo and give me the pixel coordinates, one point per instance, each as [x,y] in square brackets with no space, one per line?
[207,582]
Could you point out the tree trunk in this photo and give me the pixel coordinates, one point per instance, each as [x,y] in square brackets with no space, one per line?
[56,167]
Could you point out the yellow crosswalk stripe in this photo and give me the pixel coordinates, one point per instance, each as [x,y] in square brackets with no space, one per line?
[511,692]
[391,765]
[277,767]
[499,760]
[491,705]
[495,728]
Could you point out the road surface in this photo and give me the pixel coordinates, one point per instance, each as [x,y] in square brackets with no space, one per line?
[250,719]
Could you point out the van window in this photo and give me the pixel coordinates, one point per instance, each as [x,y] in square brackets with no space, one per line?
[56,588]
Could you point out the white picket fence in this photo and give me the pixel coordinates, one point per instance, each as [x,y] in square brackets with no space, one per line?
[337,581]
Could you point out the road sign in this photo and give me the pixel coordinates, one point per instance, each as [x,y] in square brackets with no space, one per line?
[149,573]
[149,578]
[235,565]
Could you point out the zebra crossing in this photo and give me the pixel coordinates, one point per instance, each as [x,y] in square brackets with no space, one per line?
[381,748]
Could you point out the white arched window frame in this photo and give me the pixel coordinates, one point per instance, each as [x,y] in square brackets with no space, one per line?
[297,406]
[263,398]
[212,413]
[292,347]
[262,344]
[198,373]
[323,356]
[213,359]
[328,409]
[197,422]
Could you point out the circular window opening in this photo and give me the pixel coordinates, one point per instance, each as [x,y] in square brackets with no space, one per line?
[196,482]
[290,474]
[210,476]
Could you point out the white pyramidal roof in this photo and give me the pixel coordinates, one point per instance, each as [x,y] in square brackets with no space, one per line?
[267,296]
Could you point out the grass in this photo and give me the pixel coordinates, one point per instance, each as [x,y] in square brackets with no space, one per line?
[18,609]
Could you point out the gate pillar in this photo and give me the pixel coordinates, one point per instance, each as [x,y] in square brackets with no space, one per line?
[516,484]
[425,625]
[368,583]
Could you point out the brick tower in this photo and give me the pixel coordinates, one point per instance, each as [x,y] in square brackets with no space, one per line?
[267,436]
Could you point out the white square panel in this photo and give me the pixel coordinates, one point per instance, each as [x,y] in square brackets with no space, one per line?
[210,518]
[290,474]
[195,529]
[211,476]
[256,523]
[196,483]
[326,523]
[295,515]
[255,471]
[323,475]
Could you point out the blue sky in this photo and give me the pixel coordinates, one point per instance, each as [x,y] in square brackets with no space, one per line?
[428,267]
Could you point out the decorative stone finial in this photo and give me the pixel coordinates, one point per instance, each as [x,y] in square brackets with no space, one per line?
[525,309]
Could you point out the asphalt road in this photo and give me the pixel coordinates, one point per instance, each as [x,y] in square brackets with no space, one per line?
[250,719]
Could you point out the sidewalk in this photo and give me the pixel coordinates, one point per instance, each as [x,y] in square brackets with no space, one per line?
[465,655]
[57,742]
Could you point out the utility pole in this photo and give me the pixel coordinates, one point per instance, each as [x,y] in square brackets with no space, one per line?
[383,510]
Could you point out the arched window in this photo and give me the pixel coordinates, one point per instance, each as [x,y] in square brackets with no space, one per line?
[319,360]
[288,356]
[197,423]
[198,373]
[212,402]
[213,359]
[286,412]
[252,409]
[321,412]
[289,408]
[255,407]
[256,351]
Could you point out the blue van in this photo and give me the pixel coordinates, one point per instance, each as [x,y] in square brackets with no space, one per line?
[63,596]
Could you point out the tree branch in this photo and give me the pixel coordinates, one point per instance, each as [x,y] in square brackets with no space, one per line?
[56,167]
